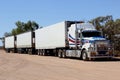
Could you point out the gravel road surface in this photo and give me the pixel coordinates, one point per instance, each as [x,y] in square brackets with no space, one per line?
[14,66]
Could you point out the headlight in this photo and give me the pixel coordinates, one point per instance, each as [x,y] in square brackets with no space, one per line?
[91,45]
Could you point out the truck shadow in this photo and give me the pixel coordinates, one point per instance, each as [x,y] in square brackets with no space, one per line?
[107,60]
[116,59]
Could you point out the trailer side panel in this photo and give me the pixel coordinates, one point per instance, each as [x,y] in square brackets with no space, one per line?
[9,42]
[51,37]
[24,40]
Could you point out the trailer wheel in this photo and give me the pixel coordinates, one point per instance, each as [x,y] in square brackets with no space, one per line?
[8,50]
[38,52]
[64,54]
[84,55]
[44,53]
[60,53]
[41,53]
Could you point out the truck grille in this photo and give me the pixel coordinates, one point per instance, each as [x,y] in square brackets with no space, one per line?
[102,49]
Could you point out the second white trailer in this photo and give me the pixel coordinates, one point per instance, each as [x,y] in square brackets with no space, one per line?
[25,42]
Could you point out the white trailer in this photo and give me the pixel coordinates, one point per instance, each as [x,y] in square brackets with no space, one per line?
[10,43]
[25,42]
[53,38]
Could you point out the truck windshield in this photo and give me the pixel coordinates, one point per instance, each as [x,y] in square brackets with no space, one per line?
[91,34]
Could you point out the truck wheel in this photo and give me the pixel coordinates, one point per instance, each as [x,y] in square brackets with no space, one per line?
[8,50]
[60,53]
[64,54]
[84,56]
[38,52]
[44,53]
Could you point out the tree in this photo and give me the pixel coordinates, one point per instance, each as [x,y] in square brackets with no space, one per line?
[109,27]
[20,27]
[24,27]
[104,23]
[117,26]
[31,25]
[6,34]
[13,32]
[101,21]
[35,25]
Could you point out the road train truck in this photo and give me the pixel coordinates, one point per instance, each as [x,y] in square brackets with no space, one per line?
[72,39]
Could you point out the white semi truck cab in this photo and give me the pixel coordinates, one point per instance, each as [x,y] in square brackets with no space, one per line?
[88,41]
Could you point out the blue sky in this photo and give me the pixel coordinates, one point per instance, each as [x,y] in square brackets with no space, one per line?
[47,12]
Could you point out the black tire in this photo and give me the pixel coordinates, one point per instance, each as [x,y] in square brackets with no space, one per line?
[8,50]
[44,53]
[84,56]
[38,53]
[64,54]
[30,52]
[60,53]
